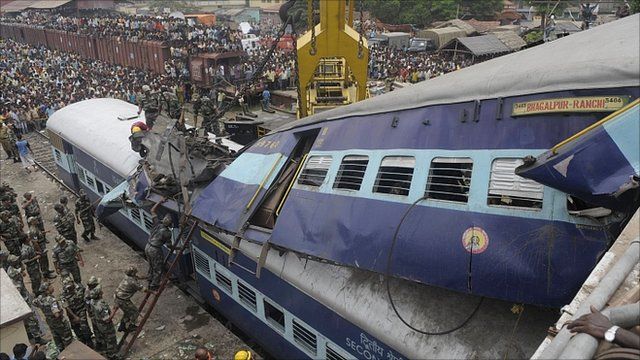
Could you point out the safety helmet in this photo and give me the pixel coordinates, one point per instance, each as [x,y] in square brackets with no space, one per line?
[135,129]
[146,88]
[242,355]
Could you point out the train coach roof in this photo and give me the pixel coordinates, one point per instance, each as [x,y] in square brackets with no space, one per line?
[93,127]
[603,57]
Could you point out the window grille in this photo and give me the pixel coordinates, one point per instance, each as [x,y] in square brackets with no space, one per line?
[100,187]
[247,296]
[135,214]
[315,171]
[148,220]
[223,281]
[395,175]
[58,156]
[333,354]
[81,176]
[510,190]
[202,264]
[449,179]
[351,172]
[90,182]
[304,337]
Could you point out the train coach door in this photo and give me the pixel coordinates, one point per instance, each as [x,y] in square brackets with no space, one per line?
[265,216]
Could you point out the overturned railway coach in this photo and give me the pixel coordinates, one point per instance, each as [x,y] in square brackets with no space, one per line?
[327,237]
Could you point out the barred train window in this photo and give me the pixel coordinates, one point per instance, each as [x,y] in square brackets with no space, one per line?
[351,172]
[274,315]
[395,174]
[81,175]
[304,337]
[449,179]
[510,190]
[315,171]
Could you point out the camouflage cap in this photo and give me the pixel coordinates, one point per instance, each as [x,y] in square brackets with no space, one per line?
[5,213]
[93,281]
[13,259]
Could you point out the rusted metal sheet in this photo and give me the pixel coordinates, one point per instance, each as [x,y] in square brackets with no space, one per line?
[196,70]
[79,351]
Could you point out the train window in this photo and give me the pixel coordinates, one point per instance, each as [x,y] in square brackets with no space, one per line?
[449,179]
[202,263]
[107,189]
[351,172]
[247,296]
[315,171]
[81,175]
[89,178]
[223,281]
[148,220]
[135,214]
[304,337]
[100,187]
[395,174]
[510,190]
[274,315]
[333,354]
[58,156]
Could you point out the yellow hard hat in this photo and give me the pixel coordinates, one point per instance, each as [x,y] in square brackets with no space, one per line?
[242,355]
[135,129]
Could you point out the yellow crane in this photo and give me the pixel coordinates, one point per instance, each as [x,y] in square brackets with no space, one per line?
[332,58]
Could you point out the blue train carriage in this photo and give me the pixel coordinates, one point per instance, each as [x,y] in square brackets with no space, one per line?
[90,145]
[418,185]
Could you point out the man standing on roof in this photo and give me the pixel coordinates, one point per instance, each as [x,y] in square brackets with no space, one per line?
[151,105]
[160,235]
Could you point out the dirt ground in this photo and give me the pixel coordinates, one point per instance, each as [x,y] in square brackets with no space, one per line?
[177,325]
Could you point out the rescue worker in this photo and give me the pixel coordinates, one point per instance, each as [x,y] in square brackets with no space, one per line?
[151,105]
[16,274]
[159,236]
[125,291]
[10,233]
[64,201]
[103,325]
[6,137]
[64,223]
[6,189]
[84,213]
[74,303]
[94,285]
[174,109]
[53,313]
[39,240]
[66,255]
[30,259]
[10,205]
[32,209]
[138,131]
[208,112]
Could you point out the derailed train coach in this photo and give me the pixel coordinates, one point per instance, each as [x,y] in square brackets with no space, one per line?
[91,148]
[148,55]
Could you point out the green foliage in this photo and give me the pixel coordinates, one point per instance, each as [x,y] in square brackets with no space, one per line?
[544,7]
[185,6]
[635,6]
[424,12]
[533,36]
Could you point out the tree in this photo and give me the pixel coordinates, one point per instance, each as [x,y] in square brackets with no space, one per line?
[635,6]
[481,10]
[185,6]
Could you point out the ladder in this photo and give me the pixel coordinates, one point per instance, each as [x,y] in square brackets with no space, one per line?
[152,297]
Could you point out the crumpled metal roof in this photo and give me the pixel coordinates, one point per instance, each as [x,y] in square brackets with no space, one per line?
[511,39]
[48,4]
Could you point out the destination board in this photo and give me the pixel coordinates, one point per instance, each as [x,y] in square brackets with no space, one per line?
[576,104]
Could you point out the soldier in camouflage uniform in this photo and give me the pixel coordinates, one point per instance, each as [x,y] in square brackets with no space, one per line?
[174,109]
[103,324]
[53,313]
[39,241]
[208,111]
[84,213]
[64,223]
[125,291]
[32,209]
[159,236]
[6,189]
[74,303]
[66,255]
[15,273]
[9,204]
[30,259]
[10,232]
[150,103]
[93,285]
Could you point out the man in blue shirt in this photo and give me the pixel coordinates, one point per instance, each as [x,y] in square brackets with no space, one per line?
[266,99]
[24,150]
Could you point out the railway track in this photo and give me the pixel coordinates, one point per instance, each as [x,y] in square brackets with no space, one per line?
[41,148]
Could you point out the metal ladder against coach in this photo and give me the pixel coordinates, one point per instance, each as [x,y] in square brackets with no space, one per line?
[152,297]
